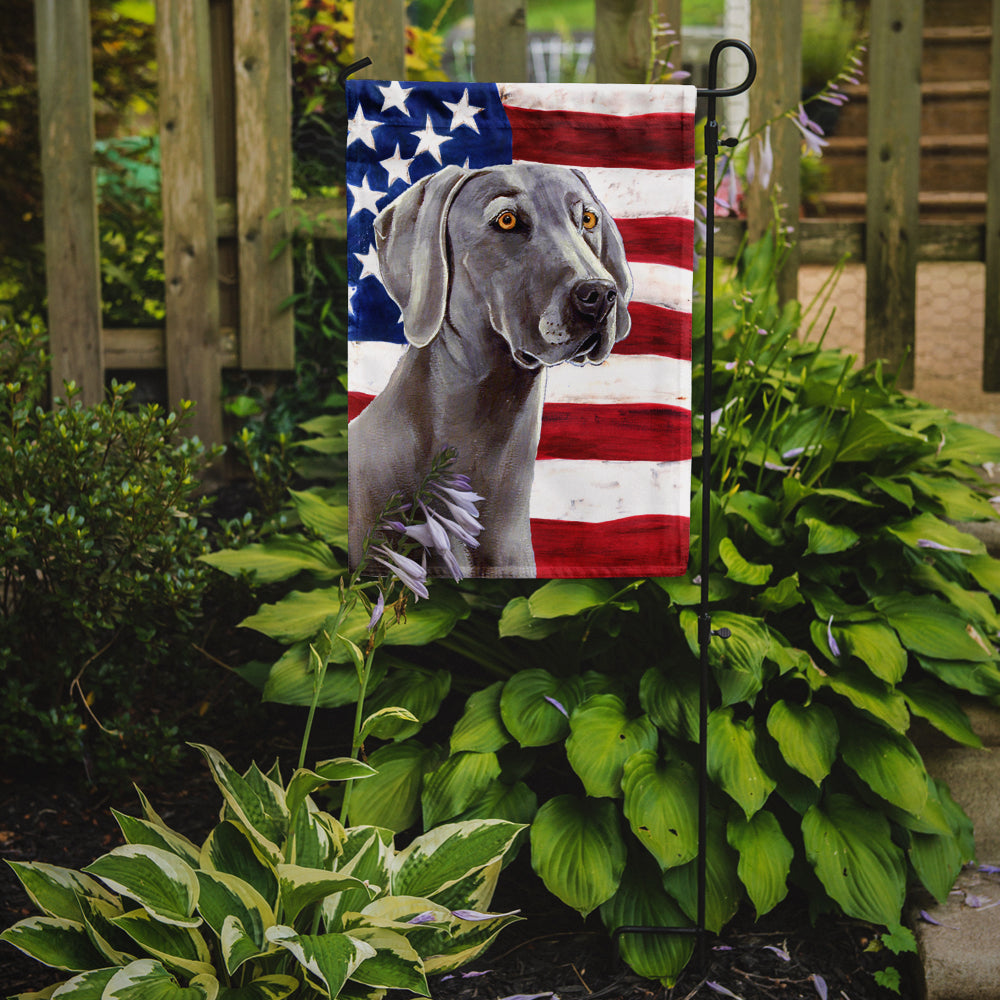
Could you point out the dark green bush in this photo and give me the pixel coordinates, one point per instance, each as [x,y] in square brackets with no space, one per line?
[100,583]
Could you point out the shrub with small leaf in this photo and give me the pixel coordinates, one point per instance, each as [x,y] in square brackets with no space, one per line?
[279,900]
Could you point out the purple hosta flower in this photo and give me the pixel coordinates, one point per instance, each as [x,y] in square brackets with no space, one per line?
[727,197]
[761,163]
[820,983]
[475,915]
[989,869]
[927,543]
[558,705]
[411,574]
[427,917]
[811,132]
[834,648]
[465,975]
[719,988]
[377,612]
[780,952]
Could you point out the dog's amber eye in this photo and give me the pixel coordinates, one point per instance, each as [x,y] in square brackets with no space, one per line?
[507,221]
[589,220]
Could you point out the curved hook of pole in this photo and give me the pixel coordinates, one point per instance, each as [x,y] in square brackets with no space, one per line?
[713,69]
[348,70]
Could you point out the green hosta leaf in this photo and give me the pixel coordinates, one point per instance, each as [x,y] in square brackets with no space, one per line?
[827,539]
[330,959]
[723,889]
[661,798]
[415,689]
[783,595]
[641,901]
[876,646]
[327,520]
[928,528]
[671,700]
[976,605]
[893,488]
[481,728]
[807,736]
[141,831]
[56,891]
[958,502]
[443,856]
[456,784]
[147,979]
[515,803]
[941,709]
[180,948]
[738,661]
[751,574]
[558,598]
[850,847]
[765,858]
[292,680]
[864,692]
[391,798]
[732,760]
[578,851]
[386,723]
[528,714]
[683,592]
[976,678]
[965,443]
[758,511]
[163,884]
[932,628]
[986,571]
[230,849]
[869,436]
[225,897]
[274,987]
[937,859]
[279,558]
[888,763]
[395,964]
[54,941]
[602,738]
[301,887]
[517,620]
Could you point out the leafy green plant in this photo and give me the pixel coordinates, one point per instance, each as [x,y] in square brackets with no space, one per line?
[101,587]
[279,899]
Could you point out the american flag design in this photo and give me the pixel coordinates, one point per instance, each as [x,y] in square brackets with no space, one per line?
[610,494]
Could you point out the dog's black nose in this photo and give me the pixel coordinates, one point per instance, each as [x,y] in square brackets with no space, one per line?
[594,297]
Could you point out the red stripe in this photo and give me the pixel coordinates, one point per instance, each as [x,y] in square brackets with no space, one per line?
[620,433]
[656,330]
[650,545]
[356,402]
[583,139]
[658,240]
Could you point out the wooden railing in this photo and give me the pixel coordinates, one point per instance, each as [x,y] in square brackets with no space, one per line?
[226,155]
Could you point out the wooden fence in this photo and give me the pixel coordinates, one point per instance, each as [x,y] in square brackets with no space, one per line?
[226,160]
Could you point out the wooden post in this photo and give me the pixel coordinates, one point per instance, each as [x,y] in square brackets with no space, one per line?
[622,40]
[501,38]
[991,333]
[893,183]
[72,255]
[190,254]
[262,59]
[380,34]
[776,35]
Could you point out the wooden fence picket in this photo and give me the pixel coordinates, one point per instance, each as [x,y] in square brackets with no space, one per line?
[991,332]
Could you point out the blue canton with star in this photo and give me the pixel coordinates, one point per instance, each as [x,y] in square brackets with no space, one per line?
[397,133]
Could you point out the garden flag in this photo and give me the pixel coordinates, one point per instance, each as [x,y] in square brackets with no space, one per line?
[520,280]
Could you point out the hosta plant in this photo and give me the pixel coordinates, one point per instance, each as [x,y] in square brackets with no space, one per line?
[279,900]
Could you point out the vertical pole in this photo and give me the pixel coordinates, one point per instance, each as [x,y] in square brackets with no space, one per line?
[991,333]
[72,256]
[621,40]
[776,33]
[380,34]
[501,37]
[893,184]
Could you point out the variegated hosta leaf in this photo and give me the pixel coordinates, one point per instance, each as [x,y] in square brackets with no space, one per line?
[141,831]
[230,849]
[147,979]
[54,941]
[765,858]
[468,939]
[225,897]
[602,737]
[275,987]
[850,847]
[116,946]
[456,784]
[535,706]
[86,986]
[367,853]
[304,782]
[56,891]
[732,760]
[391,799]
[476,890]
[578,851]
[158,880]
[256,801]
[328,959]
[642,902]
[661,799]
[441,857]
[481,727]
[315,838]
[300,887]
[395,964]
[807,736]
[177,947]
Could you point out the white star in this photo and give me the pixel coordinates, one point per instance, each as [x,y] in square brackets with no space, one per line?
[395,97]
[430,141]
[360,128]
[364,197]
[463,113]
[369,264]
[397,167]
[351,289]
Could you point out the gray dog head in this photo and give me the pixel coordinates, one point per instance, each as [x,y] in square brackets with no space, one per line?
[525,251]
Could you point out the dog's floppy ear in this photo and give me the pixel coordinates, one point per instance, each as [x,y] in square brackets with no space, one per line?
[410,236]
[613,258]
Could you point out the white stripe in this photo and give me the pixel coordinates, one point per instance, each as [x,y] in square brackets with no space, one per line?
[637,99]
[572,490]
[623,378]
[631,193]
[662,285]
